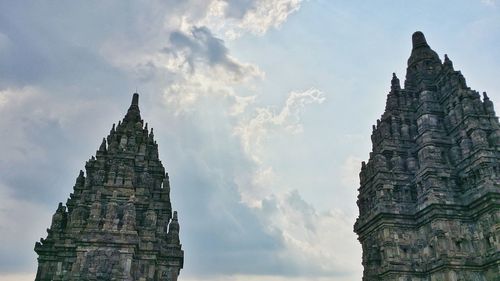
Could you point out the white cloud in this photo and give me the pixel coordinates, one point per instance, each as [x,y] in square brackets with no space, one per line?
[491,3]
[185,94]
[240,104]
[313,240]
[205,69]
[350,171]
[267,14]
[253,131]
[176,50]
[234,18]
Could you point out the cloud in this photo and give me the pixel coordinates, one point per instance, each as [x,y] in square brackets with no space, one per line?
[21,237]
[350,171]
[312,239]
[491,3]
[201,45]
[253,131]
[197,57]
[236,17]
[38,137]
[188,92]
[238,8]
[265,14]
[66,78]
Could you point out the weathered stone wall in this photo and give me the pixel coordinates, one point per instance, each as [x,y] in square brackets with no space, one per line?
[429,198]
[118,222]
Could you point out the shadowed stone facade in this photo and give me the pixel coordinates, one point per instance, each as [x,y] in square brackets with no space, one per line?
[429,198]
[118,222]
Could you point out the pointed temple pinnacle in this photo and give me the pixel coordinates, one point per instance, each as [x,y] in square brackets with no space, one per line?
[421,51]
[133,113]
[447,62]
[395,85]
[434,155]
[135,99]
[395,79]
[418,40]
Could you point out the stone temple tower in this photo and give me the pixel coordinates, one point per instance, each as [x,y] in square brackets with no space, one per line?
[118,223]
[429,198]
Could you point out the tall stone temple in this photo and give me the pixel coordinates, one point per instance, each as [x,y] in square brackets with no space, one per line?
[118,223]
[429,196]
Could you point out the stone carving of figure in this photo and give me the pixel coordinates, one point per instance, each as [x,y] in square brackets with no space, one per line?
[397,162]
[468,106]
[150,220]
[458,112]
[479,138]
[58,218]
[384,130]
[129,176]
[465,145]
[395,128]
[455,154]
[387,191]
[123,142]
[413,129]
[405,131]
[145,178]
[380,161]
[494,138]
[78,216]
[488,105]
[173,230]
[95,209]
[373,136]
[452,117]
[131,145]
[435,153]
[101,263]
[99,177]
[111,215]
[411,162]
[129,215]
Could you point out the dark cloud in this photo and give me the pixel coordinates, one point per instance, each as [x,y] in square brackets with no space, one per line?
[66,74]
[202,46]
[55,46]
[220,234]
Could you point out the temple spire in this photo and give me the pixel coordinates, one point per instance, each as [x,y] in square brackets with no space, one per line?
[434,154]
[133,113]
[418,40]
[421,51]
[447,62]
[135,99]
[395,85]
[107,216]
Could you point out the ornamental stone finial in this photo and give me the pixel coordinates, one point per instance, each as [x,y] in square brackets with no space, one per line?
[418,40]
[395,85]
[135,99]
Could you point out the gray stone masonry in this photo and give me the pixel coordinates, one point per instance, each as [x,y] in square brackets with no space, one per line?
[118,222]
[429,195]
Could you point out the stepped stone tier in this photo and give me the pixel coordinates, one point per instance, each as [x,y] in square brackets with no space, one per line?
[118,222]
[429,198]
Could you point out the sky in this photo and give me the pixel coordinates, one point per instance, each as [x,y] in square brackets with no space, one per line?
[262,110]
